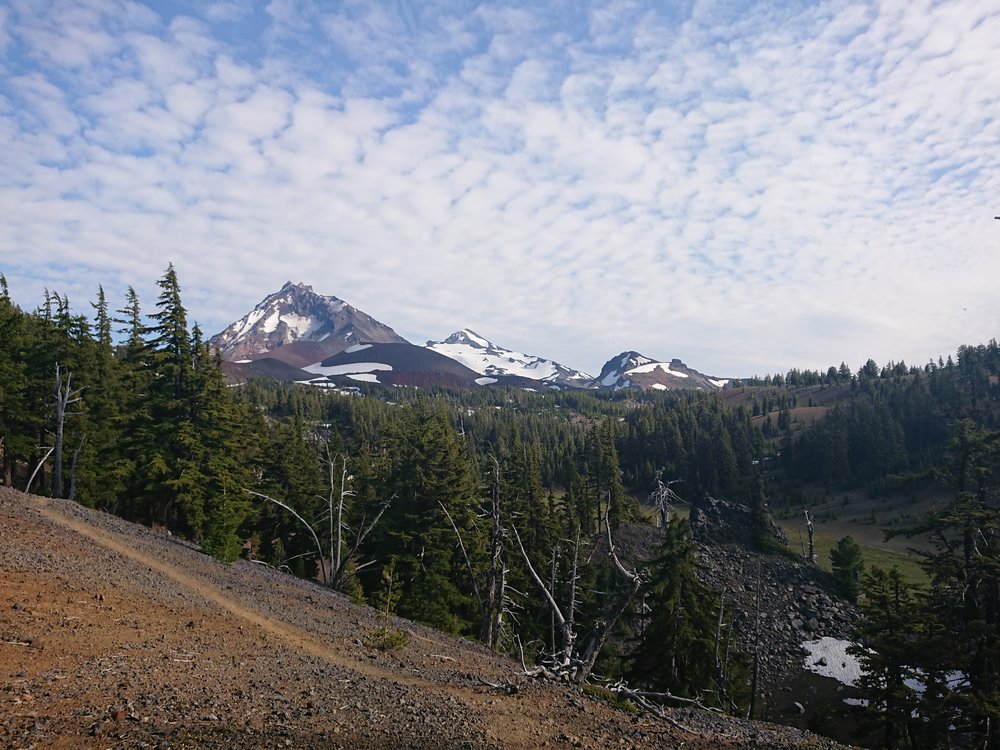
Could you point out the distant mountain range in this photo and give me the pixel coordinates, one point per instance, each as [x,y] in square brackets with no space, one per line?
[298,335]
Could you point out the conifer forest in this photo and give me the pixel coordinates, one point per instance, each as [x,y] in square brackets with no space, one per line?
[503,515]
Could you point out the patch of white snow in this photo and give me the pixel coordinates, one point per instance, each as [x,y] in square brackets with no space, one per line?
[351,369]
[355,348]
[299,325]
[828,657]
[610,379]
[272,322]
[485,381]
[364,377]
[248,322]
[652,366]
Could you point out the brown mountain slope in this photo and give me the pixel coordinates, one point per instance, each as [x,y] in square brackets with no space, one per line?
[112,635]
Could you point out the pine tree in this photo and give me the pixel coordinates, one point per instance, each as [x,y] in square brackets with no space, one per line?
[847,564]
[433,575]
[16,429]
[885,649]
[679,649]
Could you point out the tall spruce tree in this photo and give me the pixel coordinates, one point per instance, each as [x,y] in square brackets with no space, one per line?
[885,648]
[433,576]
[679,649]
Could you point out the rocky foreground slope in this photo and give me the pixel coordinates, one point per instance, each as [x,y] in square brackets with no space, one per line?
[114,636]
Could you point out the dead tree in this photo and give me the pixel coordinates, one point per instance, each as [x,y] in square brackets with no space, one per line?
[663,499]
[334,567]
[468,563]
[492,604]
[31,479]
[64,396]
[812,546]
[336,518]
[340,560]
[496,581]
[319,547]
[570,663]
[364,529]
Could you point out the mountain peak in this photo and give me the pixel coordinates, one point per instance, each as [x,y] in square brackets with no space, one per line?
[483,356]
[468,337]
[630,369]
[296,315]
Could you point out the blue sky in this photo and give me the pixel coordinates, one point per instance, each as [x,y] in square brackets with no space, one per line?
[747,186]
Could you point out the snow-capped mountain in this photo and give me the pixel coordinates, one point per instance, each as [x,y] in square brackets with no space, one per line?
[633,370]
[492,361]
[297,335]
[298,326]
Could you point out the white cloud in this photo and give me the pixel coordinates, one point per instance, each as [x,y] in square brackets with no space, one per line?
[746,188]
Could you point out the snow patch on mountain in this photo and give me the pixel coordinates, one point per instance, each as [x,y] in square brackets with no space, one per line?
[492,361]
[354,368]
[651,366]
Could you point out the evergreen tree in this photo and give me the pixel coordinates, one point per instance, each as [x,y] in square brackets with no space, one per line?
[847,565]
[16,423]
[885,649]
[679,649]
[434,584]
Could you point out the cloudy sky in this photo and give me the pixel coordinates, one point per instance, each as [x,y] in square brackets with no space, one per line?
[749,187]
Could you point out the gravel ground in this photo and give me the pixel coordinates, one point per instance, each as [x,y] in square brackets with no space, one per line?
[114,636]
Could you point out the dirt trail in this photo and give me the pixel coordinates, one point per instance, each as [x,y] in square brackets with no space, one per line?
[211,593]
[505,711]
[114,636]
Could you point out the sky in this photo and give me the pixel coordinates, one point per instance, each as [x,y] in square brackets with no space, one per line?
[749,187]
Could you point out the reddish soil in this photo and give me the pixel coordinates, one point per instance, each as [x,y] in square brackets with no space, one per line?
[114,636]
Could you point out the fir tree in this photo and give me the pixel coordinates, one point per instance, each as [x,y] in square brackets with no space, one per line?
[679,650]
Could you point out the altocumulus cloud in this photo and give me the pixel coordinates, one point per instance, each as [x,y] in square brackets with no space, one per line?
[749,186]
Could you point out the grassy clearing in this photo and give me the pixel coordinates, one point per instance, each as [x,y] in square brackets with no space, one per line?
[866,520]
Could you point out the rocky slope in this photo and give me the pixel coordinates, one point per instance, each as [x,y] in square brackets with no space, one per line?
[300,327]
[112,635]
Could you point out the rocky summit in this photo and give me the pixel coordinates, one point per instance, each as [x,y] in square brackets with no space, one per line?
[298,326]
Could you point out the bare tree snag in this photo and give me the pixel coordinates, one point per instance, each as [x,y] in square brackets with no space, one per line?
[812,546]
[363,531]
[663,499]
[568,637]
[569,663]
[64,396]
[606,624]
[335,517]
[31,479]
[496,580]
[319,547]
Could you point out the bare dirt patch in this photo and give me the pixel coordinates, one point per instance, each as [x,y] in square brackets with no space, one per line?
[113,636]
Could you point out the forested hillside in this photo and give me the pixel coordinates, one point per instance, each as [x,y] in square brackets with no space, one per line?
[497,513]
